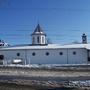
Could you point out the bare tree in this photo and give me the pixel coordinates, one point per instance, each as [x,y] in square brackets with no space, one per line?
[49,41]
[76,42]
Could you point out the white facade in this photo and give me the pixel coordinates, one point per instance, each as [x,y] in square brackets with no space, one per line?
[38,39]
[46,54]
[39,52]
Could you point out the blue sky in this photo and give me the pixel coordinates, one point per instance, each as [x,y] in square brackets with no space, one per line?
[64,21]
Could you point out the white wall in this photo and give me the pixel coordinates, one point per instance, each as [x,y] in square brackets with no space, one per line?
[79,57]
[53,58]
[10,55]
[40,39]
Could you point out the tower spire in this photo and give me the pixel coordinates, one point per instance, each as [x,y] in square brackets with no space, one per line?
[38,36]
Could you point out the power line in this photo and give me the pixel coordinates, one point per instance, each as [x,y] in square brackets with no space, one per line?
[50,9]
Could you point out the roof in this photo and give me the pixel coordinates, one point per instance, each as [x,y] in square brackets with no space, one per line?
[50,46]
[38,30]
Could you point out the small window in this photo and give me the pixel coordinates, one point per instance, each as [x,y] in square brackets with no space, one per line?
[1,57]
[33,54]
[74,53]
[18,54]
[47,53]
[38,39]
[61,53]
[89,59]
[42,39]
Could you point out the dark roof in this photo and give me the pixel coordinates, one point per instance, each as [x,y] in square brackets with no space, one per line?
[38,30]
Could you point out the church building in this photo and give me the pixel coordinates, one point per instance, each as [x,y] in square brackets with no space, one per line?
[40,52]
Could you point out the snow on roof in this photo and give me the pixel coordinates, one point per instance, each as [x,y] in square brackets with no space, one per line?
[50,46]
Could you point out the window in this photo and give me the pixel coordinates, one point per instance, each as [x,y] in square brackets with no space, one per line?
[61,53]
[74,53]
[89,59]
[18,54]
[33,54]
[42,39]
[47,53]
[38,39]
[1,57]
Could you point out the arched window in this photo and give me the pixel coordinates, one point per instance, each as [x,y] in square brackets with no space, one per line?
[38,39]
[33,40]
[42,39]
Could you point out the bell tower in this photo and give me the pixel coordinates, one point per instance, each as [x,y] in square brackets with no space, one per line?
[38,36]
[84,38]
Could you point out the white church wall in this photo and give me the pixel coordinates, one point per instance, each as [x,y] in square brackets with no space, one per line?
[54,56]
[38,56]
[42,39]
[10,55]
[77,56]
